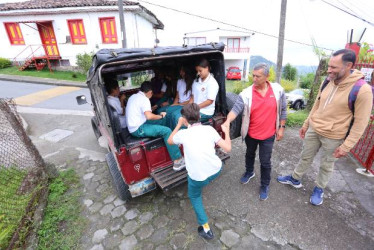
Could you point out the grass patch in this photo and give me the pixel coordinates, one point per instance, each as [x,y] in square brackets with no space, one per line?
[297,118]
[62,224]
[235,86]
[12,204]
[60,75]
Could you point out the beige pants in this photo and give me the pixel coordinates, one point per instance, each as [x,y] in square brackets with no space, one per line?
[312,143]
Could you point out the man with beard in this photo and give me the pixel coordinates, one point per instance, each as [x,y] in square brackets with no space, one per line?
[329,121]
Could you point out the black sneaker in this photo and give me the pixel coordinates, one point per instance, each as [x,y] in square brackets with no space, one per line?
[209,235]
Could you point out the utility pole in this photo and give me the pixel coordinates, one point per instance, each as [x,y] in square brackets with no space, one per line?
[122,22]
[282,25]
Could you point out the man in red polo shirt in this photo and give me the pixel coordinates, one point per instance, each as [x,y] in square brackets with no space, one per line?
[264,110]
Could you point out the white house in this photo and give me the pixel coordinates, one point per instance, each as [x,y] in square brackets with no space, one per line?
[61,29]
[237,50]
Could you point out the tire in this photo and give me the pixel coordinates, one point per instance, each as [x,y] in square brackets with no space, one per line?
[237,123]
[297,105]
[95,127]
[119,185]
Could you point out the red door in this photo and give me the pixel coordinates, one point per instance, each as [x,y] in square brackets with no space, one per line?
[47,35]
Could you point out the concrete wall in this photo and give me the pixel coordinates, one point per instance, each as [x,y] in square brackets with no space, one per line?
[139,31]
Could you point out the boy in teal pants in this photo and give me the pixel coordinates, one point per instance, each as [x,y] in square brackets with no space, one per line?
[202,163]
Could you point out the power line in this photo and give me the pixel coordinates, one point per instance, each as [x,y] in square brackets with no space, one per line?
[349,13]
[360,7]
[233,25]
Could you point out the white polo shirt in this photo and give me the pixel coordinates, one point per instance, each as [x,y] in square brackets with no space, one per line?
[164,87]
[116,104]
[204,90]
[181,88]
[136,106]
[199,154]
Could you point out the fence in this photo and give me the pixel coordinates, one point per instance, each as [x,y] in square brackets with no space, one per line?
[22,178]
[364,149]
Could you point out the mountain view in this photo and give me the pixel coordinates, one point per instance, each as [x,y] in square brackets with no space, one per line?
[301,69]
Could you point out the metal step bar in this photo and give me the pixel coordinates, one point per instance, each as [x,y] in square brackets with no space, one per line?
[168,178]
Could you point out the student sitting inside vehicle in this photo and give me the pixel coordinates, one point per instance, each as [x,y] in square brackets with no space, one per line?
[168,90]
[116,100]
[142,122]
[204,90]
[182,97]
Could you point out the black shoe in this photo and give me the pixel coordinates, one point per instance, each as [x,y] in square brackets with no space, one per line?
[209,235]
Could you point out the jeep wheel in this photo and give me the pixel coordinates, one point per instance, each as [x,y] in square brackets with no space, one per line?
[297,105]
[95,127]
[237,123]
[121,187]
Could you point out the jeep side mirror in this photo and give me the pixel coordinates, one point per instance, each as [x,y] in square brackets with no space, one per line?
[81,99]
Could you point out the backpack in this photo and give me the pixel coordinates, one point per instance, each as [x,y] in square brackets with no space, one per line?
[351,97]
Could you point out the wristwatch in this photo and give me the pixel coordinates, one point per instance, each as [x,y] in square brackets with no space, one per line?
[282,126]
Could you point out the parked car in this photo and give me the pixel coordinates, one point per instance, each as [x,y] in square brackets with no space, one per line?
[296,98]
[234,73]
[139,165]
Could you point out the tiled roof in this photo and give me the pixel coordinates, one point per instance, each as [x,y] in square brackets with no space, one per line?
[55,4]
[49,4]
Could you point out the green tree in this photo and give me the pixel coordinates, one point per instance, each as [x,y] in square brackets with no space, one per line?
[306,81]
[272,74]
[289,72]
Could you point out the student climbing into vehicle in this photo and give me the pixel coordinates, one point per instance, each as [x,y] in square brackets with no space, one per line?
[142,122]
[116,100]
[202,163]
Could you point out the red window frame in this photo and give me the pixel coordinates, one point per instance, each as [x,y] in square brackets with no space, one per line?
[233,43]
[108,29]
[77,31]
[14,34]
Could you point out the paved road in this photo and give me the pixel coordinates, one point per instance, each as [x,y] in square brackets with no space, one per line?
[239,219]
[42,96]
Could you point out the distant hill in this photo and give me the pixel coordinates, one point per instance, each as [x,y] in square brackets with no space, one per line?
[259,59]
[301,69]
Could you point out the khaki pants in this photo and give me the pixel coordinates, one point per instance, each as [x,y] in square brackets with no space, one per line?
[312,143]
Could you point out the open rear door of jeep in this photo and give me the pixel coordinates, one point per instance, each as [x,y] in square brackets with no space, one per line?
[167,178]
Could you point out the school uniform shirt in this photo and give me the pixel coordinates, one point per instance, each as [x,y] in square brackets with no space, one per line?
[199,154]
[136,106]
[204,90]
[115,103]
[181,88]
[164,87]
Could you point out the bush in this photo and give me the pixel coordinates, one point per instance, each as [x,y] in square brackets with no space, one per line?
[237,87]
[84,61]
[5,63]
[307,80]
[288,85]
[297,118]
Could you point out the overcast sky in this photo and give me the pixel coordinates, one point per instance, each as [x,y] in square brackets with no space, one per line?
[305,19]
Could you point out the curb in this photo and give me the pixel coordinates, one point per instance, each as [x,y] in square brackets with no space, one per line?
[39,80]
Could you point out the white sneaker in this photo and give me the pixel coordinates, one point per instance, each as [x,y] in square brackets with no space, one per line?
[179,164]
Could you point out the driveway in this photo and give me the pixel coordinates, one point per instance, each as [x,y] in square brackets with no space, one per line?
[239,219]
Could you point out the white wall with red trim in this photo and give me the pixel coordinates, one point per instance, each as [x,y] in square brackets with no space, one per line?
[139,32]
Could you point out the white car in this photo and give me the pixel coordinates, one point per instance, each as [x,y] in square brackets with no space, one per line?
[296,98]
